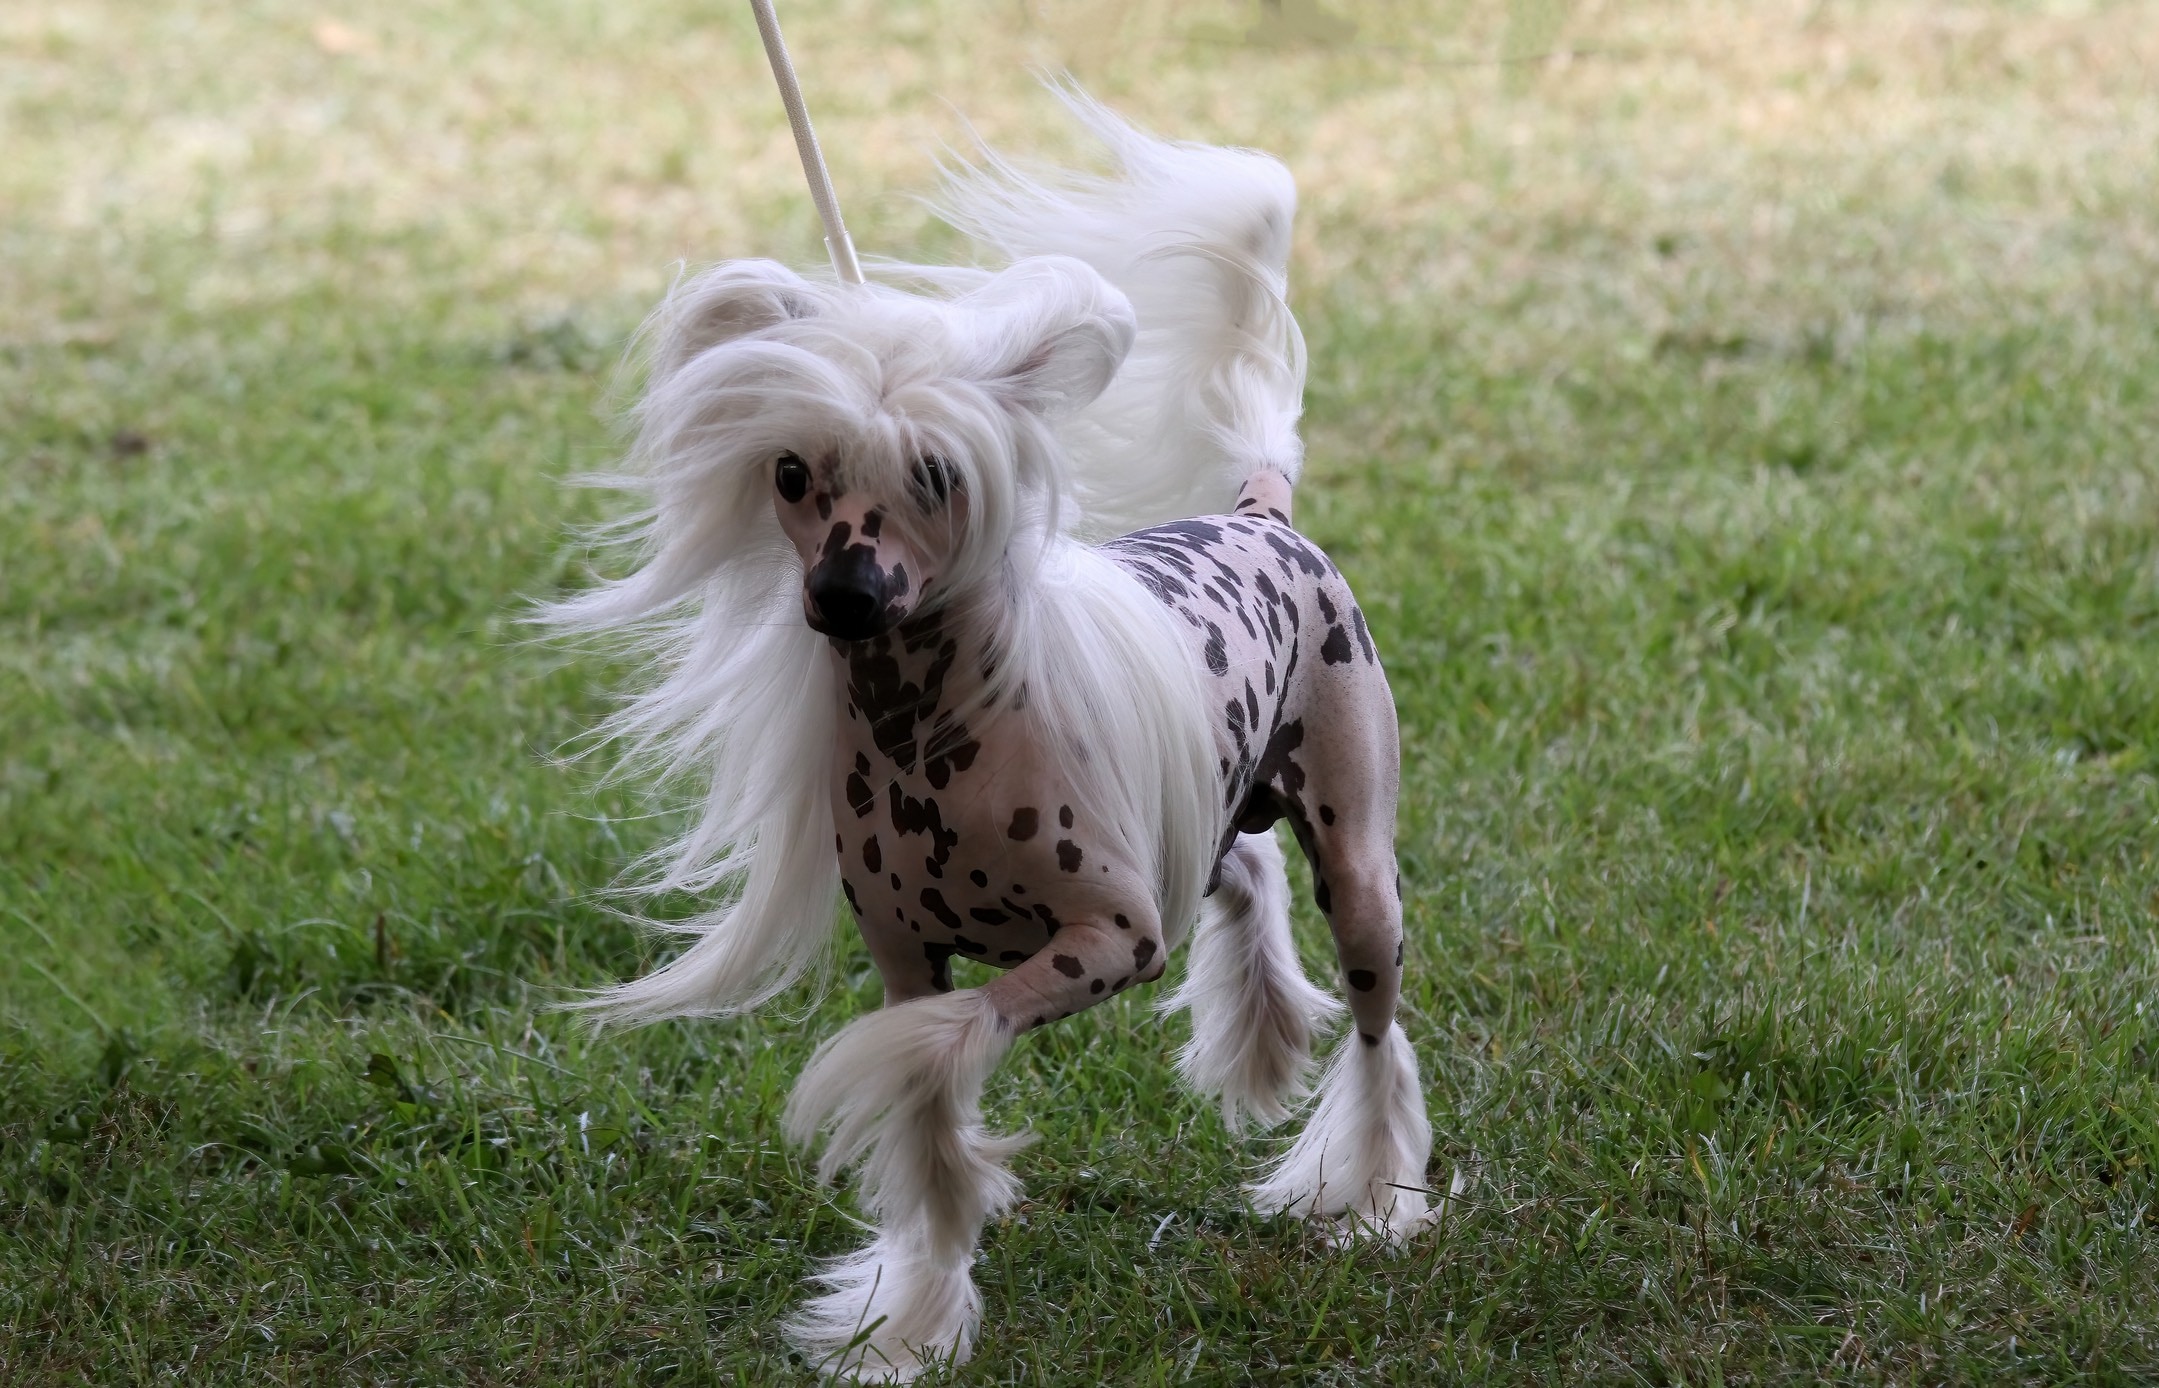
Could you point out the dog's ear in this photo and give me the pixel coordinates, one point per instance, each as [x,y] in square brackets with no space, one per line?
[726,302]
[1055,332]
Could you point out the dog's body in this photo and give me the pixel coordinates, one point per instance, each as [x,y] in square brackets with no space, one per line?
[951,847]
[1027,751]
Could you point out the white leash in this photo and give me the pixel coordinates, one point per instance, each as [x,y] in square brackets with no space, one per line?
[837,245]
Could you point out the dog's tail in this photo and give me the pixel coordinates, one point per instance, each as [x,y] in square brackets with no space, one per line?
[1198,238]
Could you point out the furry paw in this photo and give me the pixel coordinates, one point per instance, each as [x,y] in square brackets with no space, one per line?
[889,1311]
[1359,1163]
[1254,1013]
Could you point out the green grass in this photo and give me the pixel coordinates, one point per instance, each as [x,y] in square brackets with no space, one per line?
[1759,515]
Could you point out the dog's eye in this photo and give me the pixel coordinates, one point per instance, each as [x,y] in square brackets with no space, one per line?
[792,477]
[934,480]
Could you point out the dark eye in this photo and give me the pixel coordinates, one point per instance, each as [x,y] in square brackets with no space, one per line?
[933,482]
[792,477]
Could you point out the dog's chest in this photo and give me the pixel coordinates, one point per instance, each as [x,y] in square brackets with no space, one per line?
[954,839]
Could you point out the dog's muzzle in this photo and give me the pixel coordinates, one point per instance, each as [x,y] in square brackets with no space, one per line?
[850,596]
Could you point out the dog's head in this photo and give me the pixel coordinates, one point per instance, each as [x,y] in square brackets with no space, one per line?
[902,441]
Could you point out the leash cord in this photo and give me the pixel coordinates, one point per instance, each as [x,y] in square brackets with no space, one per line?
[837,244]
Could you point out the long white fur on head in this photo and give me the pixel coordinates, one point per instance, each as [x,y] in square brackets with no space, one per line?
[750,360]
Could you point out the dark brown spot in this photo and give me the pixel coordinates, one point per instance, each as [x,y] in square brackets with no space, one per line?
[1097,986]
[1363,980]
[1064,815]
[979,878]
[1023,826]
[940,957]
[1141,953]
[1068,855]
[934,901]
[1368,1038]
[1067,965]
[1326,814]
[873,857]
[1122,923]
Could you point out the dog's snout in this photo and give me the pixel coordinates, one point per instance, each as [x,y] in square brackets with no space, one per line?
[848,595]
[848,613]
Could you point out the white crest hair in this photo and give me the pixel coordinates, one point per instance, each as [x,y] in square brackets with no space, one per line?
[1134,363]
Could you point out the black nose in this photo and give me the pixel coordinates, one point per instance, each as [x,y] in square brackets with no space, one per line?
[847,595]
[848,613]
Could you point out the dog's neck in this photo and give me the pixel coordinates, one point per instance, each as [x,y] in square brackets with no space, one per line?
[904,688]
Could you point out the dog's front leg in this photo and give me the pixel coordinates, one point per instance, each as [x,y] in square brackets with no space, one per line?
[1084,962]
[900,1092]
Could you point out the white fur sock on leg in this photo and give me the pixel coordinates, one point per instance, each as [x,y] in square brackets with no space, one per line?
[888,1310]
[1254,1013]
[900,1090]
[1363,1151]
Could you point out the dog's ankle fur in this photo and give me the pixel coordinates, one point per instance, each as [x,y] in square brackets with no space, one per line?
[1253,1011]
[1361,1156]
[899,1091]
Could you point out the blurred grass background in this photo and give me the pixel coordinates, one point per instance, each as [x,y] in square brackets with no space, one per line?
[1740,421]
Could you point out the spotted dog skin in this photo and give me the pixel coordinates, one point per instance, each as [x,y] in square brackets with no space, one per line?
[954,843]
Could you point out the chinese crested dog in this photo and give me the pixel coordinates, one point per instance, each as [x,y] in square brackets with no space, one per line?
[972,597]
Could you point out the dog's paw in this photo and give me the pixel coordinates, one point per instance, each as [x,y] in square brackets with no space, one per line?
[1391,1225]
[889,1311]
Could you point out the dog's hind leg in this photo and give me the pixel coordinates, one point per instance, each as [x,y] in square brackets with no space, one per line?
[1254,1013]
[1362,1154]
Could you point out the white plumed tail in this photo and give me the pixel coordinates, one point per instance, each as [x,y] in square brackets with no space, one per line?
[1362,1154]
[1254,1013]
[1198,238]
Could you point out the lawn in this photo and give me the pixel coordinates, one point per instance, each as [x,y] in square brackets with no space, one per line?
[1742,425]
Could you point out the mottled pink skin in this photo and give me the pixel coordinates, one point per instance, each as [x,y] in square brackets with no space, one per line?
[960,838]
